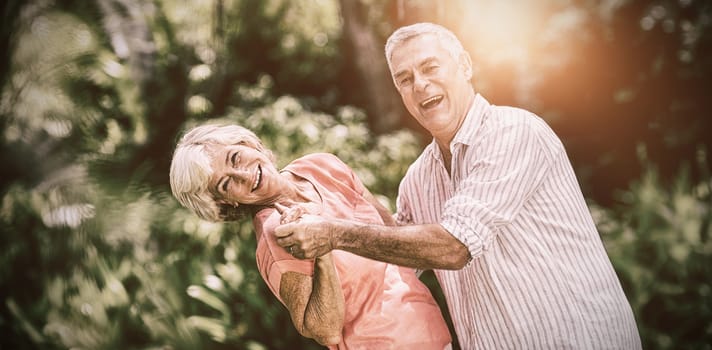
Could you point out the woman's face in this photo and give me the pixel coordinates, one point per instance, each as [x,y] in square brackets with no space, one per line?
[244,175]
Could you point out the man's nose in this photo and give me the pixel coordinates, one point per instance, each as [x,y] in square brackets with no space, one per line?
[419,82]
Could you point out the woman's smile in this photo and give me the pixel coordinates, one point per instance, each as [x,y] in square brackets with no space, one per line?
[258,178]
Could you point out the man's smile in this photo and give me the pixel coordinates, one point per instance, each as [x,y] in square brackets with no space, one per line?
[431,102]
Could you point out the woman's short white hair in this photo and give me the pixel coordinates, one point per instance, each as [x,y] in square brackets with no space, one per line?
[448,39]
[191,171]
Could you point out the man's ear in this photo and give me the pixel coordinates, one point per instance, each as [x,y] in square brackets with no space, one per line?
[466,64]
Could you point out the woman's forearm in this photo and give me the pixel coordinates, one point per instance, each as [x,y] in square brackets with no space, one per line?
[315,303]
[324,313]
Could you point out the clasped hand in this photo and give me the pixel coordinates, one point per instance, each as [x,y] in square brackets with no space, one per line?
[305,237]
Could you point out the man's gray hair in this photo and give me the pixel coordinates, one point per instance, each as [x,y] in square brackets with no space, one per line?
[191,170]
[449,41]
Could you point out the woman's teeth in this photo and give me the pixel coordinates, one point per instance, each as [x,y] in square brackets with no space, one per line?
[258,178]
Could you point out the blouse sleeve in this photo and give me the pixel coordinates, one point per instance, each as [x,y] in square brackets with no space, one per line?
[339,171]
[273,260]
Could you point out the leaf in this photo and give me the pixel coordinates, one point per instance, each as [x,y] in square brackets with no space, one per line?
[207,297]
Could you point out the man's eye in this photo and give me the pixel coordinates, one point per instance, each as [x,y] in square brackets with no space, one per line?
[233,158]
[430,69]
[404,81]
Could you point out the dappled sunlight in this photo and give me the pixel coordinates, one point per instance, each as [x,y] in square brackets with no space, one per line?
[518,43]
[506,30]
[55,49]
[71,215]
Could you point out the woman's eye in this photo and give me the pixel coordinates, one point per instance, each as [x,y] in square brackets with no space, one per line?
[404,81]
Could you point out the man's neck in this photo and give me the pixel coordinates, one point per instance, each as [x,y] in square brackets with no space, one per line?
[446,154]
[444,142]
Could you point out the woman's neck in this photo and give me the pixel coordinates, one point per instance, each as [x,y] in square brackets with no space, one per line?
[301,191]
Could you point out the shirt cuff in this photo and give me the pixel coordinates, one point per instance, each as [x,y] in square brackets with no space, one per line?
[477,240]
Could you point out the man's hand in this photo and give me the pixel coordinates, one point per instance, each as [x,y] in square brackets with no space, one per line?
[306,238]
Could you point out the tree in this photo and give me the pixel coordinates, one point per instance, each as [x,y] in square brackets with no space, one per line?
[381,101]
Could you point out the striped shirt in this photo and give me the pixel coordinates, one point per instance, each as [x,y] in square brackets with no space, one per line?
[539,277]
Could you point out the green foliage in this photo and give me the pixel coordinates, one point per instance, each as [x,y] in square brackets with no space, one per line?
[660,246]
[95,256]
[110,260]
[147,273]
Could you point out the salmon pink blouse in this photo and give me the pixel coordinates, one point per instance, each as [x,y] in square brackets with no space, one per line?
[386,306]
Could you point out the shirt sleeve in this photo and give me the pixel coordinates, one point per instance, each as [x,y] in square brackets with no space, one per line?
[511,163]
[403,215]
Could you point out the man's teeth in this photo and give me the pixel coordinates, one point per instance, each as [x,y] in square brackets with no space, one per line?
[258,178]
[431,101]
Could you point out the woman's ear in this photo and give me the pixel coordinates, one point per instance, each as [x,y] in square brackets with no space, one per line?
[230,211]
[221,202]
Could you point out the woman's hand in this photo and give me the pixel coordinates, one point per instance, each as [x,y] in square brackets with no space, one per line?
[307,238]
[291,213]
[299,214]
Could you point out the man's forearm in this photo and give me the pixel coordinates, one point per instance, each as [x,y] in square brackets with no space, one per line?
[420,246]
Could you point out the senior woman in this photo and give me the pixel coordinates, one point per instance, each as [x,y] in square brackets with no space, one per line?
[341,300]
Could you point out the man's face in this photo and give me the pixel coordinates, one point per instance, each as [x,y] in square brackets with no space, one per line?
[434,86]
[242,174]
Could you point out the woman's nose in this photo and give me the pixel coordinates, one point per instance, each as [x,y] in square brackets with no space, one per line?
[240,174]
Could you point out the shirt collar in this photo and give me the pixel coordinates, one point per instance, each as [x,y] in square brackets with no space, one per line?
[465,135]
[472,122]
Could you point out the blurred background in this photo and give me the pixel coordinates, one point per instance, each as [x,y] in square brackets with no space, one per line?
[96,254]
